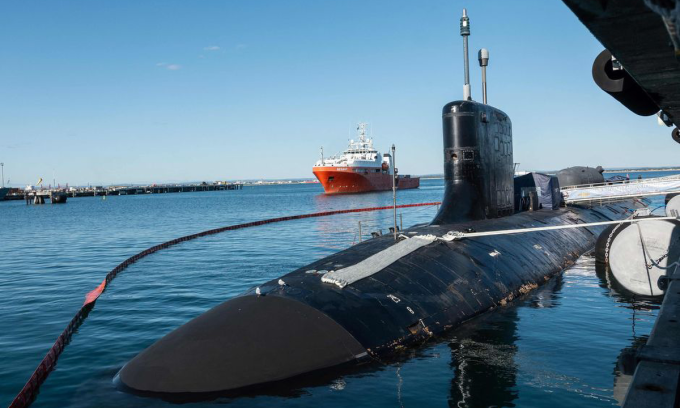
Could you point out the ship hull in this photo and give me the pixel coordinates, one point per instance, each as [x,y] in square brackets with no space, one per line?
[306,325]
[346,180]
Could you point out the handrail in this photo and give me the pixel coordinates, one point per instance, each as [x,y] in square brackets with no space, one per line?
[636,181]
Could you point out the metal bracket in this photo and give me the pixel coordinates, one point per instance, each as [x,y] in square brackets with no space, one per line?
[663,118]
[642,212]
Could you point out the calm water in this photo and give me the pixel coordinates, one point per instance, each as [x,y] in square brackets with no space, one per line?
[557,347]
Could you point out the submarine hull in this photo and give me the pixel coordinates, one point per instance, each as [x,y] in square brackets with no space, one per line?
[307,325]
[382,295]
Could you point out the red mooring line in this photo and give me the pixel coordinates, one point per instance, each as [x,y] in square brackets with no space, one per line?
[30,390]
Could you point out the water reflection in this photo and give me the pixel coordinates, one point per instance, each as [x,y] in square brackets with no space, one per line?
[637,305]
[622,296]
[625,368]
[287,389]
[483,364]
[483,353]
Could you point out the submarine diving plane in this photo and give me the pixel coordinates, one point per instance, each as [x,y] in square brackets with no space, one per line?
[384,294]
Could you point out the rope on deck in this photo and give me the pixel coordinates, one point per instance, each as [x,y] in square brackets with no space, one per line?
[30,391]
[456,235]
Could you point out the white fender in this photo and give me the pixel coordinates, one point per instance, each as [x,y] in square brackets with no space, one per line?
[628,263]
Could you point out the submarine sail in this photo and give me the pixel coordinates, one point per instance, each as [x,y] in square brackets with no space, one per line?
[381,295]
[478,165]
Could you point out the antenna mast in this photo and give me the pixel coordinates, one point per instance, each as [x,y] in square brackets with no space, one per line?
[483,62]
[394,188]
[361,130]
[465,33]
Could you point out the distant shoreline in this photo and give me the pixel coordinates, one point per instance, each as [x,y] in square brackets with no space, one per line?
[264,182]
[647,170]
[641,170]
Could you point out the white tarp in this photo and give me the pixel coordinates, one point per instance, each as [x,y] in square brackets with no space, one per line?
[638,188]
[377,262]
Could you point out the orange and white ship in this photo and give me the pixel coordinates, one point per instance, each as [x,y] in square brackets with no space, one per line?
[360,169]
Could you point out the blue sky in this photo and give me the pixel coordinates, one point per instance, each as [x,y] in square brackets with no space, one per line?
[108,92]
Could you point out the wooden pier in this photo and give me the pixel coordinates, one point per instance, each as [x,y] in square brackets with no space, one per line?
[39,196]
[168,188]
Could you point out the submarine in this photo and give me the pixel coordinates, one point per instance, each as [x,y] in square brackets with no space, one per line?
[390,292]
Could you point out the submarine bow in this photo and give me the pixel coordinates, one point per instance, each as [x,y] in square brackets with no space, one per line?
[246,341]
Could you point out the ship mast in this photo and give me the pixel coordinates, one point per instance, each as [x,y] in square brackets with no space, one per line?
[361,129]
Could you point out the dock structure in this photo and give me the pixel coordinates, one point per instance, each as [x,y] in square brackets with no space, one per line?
[601,193]
[656,381]
[168,188]
[39,196]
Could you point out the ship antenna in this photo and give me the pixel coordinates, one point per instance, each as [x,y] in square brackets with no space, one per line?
[465,33]
[483,62]
[362,132]
[394,188]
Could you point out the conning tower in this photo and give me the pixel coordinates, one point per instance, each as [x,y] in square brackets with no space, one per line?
[478,163]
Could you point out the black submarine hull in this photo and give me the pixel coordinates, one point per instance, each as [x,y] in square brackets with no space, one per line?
[309,325]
